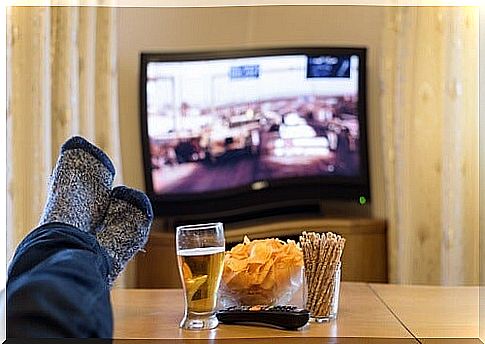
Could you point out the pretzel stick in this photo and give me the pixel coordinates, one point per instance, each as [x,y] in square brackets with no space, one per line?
[322,254]
[318,251]
[326,265]
[308,248]
[330,277]
[325,247]
[314,242]
[312,238]
[324,274]
[308,253]
[327,296]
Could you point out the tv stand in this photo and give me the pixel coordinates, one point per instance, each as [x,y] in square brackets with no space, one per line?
[258,215]
[364,258]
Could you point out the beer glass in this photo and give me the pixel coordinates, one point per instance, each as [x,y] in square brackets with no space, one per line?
[200,255]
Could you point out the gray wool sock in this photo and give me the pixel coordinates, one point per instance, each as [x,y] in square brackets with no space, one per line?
[125,228]
[79,187]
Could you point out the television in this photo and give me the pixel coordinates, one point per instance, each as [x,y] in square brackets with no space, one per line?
[229,133]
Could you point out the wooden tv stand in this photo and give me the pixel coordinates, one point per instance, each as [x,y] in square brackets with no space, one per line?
[364,258]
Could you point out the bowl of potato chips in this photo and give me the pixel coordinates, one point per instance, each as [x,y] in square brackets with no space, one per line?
[258,272]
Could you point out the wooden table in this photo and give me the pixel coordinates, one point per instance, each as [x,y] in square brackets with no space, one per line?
[368,313]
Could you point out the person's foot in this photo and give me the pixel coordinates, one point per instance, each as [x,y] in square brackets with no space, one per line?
[80,185]
[125,228]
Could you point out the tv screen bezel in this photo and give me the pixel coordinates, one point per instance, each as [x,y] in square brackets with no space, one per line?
[315,188]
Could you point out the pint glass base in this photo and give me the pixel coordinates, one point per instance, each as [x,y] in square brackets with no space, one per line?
[199,322]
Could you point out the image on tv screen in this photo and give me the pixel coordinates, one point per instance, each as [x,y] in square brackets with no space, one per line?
[221,124]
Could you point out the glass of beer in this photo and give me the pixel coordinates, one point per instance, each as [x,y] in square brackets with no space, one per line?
[200,255]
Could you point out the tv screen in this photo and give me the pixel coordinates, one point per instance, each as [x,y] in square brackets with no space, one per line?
[222,123]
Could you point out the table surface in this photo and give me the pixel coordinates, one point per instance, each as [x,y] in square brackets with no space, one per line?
[381,313]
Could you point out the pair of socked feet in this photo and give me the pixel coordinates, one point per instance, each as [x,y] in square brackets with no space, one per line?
[81,195]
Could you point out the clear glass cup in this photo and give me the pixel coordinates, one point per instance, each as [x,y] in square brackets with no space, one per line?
[287,288]
[200,256]
[328,306]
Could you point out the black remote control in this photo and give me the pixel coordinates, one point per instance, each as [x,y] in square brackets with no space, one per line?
[286,317]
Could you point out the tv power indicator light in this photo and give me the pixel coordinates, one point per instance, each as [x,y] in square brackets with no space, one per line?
[362,200]
[259,185]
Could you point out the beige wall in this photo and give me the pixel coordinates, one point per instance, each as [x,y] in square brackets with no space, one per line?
[482,175]
[183,29]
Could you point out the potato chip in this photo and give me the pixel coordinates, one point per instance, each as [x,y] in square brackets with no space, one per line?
[239,281]
[239,251]
[260,253]
[237,265]
[260,270]
[186,271]
[264,271]
[270,280]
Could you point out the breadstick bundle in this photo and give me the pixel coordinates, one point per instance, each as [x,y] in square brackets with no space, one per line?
[321,255]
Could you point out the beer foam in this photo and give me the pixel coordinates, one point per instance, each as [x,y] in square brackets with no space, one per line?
[204,251]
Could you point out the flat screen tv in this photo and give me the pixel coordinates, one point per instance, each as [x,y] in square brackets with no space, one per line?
[230,132]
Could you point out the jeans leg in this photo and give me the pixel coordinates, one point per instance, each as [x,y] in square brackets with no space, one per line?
[57,286]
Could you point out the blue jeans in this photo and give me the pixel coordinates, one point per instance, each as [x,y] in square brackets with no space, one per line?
[56,286]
